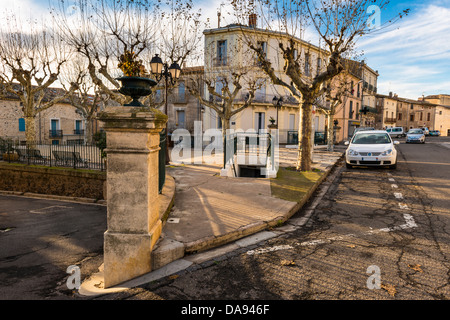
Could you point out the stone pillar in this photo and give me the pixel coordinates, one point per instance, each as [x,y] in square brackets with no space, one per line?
[134,226]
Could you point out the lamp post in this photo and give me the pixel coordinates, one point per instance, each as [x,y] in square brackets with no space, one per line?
[170,74]
[277,103]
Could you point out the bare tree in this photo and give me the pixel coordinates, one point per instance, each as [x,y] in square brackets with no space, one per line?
[338,25]
[228,94]
[101,30]
[32,57]
[87,98]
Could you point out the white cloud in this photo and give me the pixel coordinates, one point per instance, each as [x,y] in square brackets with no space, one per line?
[21,12]
[412,58]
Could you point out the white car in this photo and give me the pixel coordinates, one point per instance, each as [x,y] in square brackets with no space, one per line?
[415,136]
[371,148]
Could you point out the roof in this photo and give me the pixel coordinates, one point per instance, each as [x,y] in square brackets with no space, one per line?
[49,94]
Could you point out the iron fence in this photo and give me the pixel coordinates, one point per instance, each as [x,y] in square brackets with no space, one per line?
[162,160]
[77,156]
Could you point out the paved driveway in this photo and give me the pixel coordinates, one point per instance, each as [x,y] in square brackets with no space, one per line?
[40,238]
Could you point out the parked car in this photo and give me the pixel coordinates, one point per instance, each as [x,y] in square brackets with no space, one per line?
[371,148]
[396,132]
[426,131]
[435,133]
[361,129]
[415,136]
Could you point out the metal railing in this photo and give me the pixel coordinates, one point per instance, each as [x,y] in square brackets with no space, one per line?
[55,133]
[162,160]
[76,156]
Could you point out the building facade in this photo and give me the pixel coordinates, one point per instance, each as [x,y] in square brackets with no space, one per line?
[57,125]
[386,116]
[226,50]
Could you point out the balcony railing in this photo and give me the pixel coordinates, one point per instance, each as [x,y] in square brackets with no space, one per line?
[55,133]
[78,131]
[390,120]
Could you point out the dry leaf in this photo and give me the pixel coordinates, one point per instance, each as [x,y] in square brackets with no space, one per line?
[389,288]
[351,246]
[173,277]
[415,267]
[287,262]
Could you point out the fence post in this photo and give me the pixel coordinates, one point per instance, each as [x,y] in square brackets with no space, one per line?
[162,159]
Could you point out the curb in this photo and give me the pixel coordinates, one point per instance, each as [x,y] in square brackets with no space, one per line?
[170,256]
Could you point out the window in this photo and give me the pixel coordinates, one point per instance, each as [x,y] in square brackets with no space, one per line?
[307,65]
[263,46]
[429,117]
[350,113]
[21,125]
[259,121]
[78,127]
[180,118]
[411,117]
[319,65]
[399,116]
[181,92]
[421,116]
[221,53]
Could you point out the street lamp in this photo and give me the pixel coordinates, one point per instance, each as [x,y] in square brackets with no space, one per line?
[170,74]
[277,103]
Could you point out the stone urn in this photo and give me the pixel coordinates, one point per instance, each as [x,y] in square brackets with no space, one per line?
[136,87]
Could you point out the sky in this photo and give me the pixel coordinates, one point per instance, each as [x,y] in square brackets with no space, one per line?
[412,55]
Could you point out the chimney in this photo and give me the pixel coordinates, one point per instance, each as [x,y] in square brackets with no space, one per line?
[390,94]
[252,20]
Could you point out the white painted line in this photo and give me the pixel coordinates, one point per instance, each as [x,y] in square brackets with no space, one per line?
[398,195]
[271,249]
[410,224]
[403,206]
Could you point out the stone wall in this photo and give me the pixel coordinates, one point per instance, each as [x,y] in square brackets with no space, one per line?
[52,181]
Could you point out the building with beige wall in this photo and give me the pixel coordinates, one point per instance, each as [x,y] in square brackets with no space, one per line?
[59,124]
[386,116]
[226,50]
[442,112]
[415,114]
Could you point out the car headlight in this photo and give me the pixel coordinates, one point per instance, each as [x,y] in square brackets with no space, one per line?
[387,153]
[353,153]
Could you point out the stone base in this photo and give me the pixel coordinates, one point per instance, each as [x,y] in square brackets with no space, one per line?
[126,256]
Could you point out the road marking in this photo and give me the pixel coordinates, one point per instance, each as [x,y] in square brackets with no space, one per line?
[403,206]
[271,249]
[50,209]
[398,195]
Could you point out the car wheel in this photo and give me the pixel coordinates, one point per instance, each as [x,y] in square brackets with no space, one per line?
[349,166]
[393,167]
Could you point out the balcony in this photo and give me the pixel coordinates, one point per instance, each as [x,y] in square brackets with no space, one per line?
[78,132]
[55,133]
[220,61]
[390,120]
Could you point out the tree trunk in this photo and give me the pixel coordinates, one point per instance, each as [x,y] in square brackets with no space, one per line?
[330,133]
[88,132]
[305,147]
[225,127]
[30,129]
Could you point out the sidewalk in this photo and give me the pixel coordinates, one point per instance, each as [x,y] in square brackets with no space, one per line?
[212,215]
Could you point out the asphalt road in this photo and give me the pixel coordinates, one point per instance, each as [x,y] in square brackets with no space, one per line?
[378,234]
[40,239]
[395,222]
